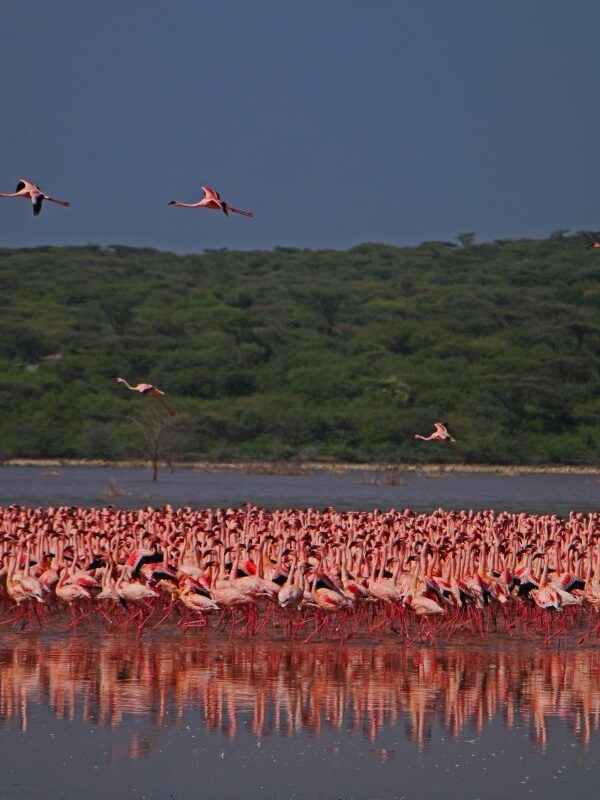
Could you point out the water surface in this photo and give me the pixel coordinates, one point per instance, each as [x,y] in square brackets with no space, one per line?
[132,488]
[188,717]
[172,716]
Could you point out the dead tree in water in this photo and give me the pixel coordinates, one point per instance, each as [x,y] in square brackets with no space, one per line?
[159,437]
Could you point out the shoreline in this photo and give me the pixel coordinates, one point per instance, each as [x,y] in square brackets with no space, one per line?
[306,467]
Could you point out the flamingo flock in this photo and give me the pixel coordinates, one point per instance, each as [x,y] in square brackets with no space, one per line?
[303,573]
[28,190]
[212,200]
[324,571]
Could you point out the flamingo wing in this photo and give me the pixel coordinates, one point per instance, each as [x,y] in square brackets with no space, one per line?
[37,204]
[21,185]
[29,186]
[443,432]
[211,194]
[148,558]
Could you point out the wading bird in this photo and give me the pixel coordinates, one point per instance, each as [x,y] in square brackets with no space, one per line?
[31,191]
[149,389]
[348,573]
[212,199]
[440,434]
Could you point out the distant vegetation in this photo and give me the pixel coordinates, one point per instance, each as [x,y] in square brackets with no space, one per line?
[306,354]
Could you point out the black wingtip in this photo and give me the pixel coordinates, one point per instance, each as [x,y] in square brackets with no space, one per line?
[96,563]
[152,558]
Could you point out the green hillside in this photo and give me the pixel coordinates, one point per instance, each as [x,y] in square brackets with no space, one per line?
[305,354]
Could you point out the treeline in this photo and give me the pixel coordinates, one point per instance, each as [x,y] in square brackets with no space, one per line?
[300,354]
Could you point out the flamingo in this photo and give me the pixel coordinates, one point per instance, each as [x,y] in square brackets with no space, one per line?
[196,601]
[108,591]
[290,595]
[31,191]
[594,245]
[69,592]
[149,389]
[544,596]
[440,434]
[212,199]
[132,590]
[14,589]
[29,583]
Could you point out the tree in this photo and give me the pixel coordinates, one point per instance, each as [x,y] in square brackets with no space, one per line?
[159,439]
[466,239]
[119,312]
[393,386]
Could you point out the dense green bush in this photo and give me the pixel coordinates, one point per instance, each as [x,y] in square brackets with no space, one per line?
[306,354]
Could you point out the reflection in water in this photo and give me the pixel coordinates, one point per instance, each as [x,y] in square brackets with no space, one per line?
[270,688]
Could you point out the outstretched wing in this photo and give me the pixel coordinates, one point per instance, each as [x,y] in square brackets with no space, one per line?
[29,186]
[211,194]
[37,204]
[148,558]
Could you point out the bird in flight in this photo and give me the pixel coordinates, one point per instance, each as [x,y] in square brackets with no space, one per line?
[31,191]
[212,199]
[594,244]
[149,389]
[440,434]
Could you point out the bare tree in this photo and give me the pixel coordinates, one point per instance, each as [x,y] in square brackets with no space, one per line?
[160,437]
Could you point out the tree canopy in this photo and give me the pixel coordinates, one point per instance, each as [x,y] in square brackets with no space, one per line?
[306,354]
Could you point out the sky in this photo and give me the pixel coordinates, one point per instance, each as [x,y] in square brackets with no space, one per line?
[336,121]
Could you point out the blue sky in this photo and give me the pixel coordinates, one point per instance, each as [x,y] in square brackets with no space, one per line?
[336,121]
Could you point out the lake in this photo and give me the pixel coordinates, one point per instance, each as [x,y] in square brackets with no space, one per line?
[423,491]
[186,717]
[172,716]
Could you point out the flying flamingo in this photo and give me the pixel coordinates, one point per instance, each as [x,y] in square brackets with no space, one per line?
[594,244]
[31,191]
[440,434]
[212,199]
[149,389]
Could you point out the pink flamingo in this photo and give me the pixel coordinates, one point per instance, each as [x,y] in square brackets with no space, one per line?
[149,389]
[440,434]
[31,191]
[594,244]
[290,595]
[212,199]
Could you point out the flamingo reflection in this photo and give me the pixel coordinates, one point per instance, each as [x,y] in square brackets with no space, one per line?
[289,690]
